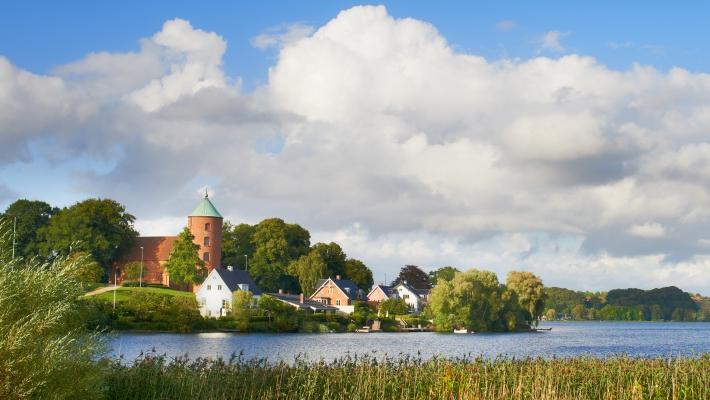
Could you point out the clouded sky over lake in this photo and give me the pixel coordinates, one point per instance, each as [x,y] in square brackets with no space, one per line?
[571,141]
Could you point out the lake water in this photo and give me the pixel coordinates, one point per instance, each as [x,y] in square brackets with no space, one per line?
[599,339]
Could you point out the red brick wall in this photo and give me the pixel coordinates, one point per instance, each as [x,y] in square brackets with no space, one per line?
[197,228]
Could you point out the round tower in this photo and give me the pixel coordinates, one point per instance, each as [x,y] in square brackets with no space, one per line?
[205,224]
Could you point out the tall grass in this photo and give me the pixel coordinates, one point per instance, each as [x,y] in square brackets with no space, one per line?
[45,352]
[152,377]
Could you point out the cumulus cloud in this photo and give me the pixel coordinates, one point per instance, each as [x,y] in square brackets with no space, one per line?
[373,131]
[281,36]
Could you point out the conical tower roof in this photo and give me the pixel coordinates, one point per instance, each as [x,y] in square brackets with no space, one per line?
[205,209]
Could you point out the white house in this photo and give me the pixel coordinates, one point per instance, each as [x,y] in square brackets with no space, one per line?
[415,298]
[214,296]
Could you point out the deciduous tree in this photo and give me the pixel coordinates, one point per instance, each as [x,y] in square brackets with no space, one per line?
[445,273]
[184,264]
[530,291]
[308,269]
[26,218]
[334,258]
[414,276]
[357,271]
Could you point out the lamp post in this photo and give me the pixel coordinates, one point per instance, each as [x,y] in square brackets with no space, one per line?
[115,286]
[246,262]
[140,281]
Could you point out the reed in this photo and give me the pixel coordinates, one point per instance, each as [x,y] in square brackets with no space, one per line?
[155,377]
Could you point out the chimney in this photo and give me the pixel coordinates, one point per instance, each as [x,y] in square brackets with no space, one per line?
[230,268]
[337,277]
[281,291]
[301,299]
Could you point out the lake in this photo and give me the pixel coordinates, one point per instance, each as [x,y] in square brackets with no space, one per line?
[598,339]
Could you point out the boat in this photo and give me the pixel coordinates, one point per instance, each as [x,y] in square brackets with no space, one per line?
[462,330]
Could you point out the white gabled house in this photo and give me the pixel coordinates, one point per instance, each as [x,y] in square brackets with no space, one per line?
[415,298]
[214,296]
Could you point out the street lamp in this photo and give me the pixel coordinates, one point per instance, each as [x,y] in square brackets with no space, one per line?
[115,286]
[246,262]
[140,281]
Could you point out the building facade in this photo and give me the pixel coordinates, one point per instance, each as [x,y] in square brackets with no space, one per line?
[214,296]
[339,293]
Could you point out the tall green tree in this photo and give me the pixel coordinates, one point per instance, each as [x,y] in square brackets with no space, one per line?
[26,218]
[308,269]
[236,243]
[334,258]
[241,309]
[357,271]
[443,273]
[530,291]
[276,244]
[185,265]
[414,276]
[100,227]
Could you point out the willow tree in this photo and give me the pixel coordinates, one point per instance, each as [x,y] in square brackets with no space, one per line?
[530,291]
[308,269]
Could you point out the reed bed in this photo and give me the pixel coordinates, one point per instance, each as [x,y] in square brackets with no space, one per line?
[152,377]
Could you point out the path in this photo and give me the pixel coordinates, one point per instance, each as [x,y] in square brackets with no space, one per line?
[100,290]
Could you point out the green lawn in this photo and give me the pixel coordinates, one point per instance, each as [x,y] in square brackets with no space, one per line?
[124,293]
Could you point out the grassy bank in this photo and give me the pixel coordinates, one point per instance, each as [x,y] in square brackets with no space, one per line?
[365,378]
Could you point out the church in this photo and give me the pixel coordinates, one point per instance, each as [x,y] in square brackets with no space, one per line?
[205,224]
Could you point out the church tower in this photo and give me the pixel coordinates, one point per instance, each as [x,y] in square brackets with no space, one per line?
[205,224]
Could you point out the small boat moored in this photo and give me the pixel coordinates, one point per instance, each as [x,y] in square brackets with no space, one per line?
[462,330]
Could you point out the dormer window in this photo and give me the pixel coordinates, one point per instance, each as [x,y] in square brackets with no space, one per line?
[207,241]
[208,226]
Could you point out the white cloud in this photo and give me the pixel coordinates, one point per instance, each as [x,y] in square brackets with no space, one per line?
[281,36]
[648,230]
[552,41]
[383,137]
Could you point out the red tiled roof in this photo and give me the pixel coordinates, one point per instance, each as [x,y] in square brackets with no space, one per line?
[155,248]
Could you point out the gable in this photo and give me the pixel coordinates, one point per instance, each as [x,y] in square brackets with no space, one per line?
[322,290]
[213,279]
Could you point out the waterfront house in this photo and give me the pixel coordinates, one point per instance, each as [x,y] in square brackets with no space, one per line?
[380,293]
[339,293]
[214,296]
[299,302]
[415,298]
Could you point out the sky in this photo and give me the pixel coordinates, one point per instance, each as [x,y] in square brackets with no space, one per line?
[569,140]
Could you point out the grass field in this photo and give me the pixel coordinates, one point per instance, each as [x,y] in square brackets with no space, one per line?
[366,378]
[125,293]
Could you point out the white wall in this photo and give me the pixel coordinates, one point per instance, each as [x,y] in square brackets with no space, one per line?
[210,296]
[409,297]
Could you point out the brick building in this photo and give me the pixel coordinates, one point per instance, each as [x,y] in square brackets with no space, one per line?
[205,224]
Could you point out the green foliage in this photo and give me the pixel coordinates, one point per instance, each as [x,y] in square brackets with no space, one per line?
[368,378]
[281,317]
[394,307]
[444,273]
[357,271]
[132,271]
[26,217]
[473,299]
[308,269]
[530,292]
[276,244]
[237,242]
[85,269]
[100,227]
[334,257]
[551,314]
[241,309]
[414,276]
[45,352]
[185,265]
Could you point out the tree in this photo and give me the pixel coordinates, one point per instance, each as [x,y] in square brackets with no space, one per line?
[394,306]
[334,257]
[236,243]
[473,299]
[551,314]
[85,269]
[26,218]
[530,291]
[308,269]
[445,273]
[358,272]
[241,309]
[577,312]
[414,276]
[276,244]
[45,349]
[184,264]
[132,271]
[100,227]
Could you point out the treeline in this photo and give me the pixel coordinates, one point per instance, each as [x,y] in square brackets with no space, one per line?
[661,304]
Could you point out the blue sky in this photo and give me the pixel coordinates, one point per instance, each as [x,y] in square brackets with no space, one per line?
[563,138]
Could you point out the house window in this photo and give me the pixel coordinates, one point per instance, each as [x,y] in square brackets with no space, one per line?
[206,256]
[243,286]
[209,287]
[225,303]
[207,241]
[406,296]
[330,290]
[208,226]
[202,301]
[324,301]
[337,302]
[219,287]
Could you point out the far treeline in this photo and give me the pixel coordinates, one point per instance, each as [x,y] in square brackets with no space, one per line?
[662,304]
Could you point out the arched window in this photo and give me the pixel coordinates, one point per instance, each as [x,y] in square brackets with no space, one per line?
[208,226]
[207,241]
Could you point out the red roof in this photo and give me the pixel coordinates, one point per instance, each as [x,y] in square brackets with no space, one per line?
[155,248]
